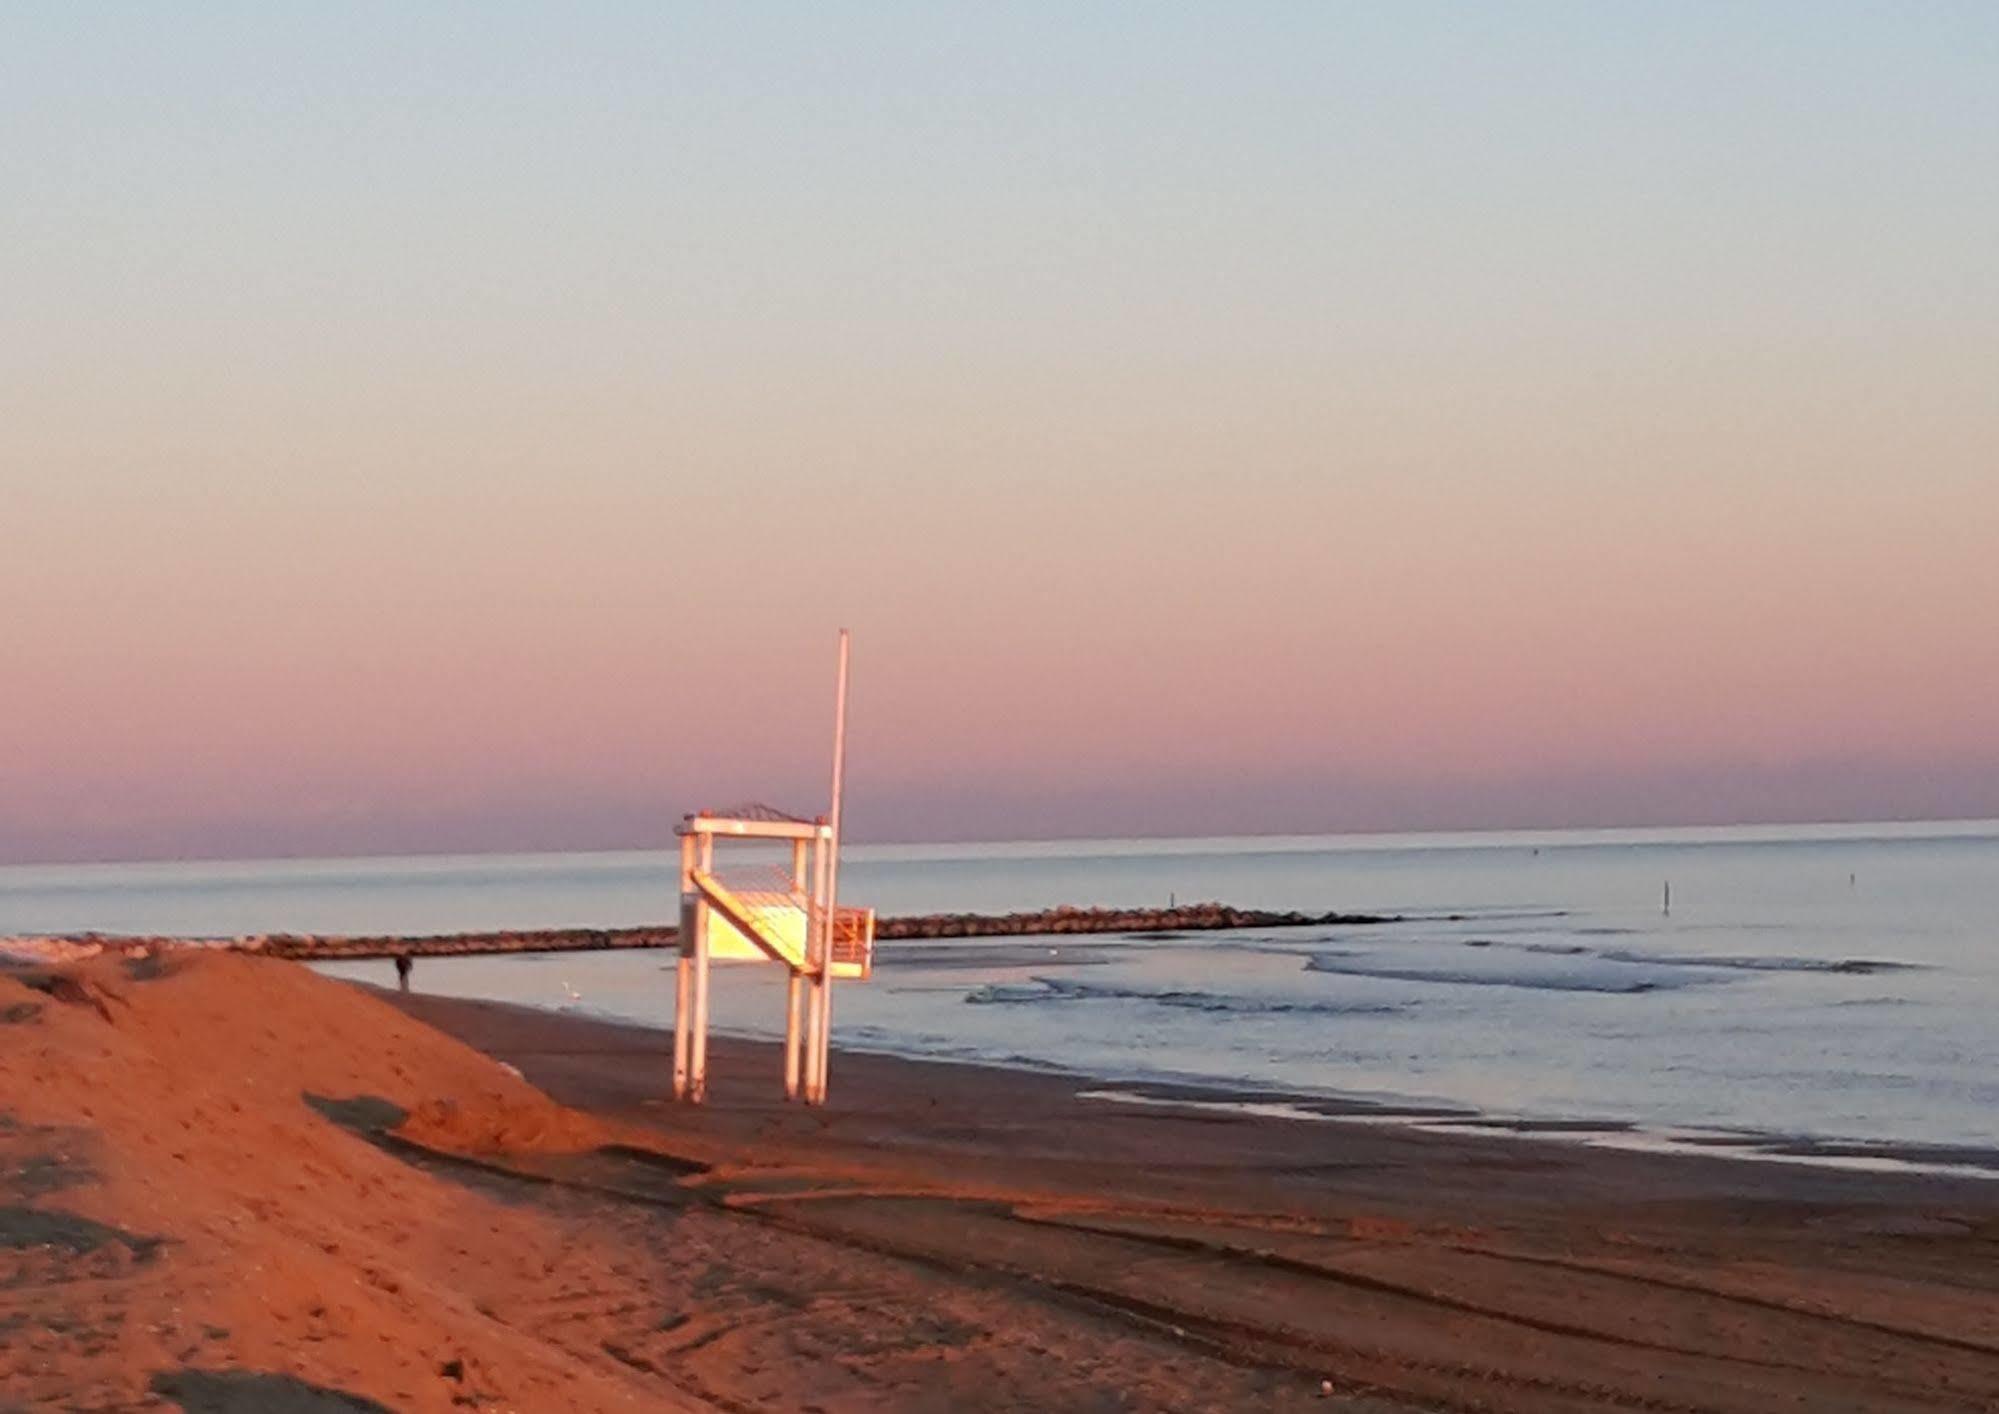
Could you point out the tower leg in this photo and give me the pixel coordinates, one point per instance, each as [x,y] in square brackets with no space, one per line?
[697,1060]
[683,981]
[810,1047]
[794,987]
[703,858]
[822,1039]
[683,1028]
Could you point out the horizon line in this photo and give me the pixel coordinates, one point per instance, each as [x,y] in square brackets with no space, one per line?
[1744,832]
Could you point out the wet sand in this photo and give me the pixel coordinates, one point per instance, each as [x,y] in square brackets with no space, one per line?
[1438,1270]
[232,1179]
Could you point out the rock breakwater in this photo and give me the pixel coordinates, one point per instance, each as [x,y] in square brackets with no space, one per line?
[318,947]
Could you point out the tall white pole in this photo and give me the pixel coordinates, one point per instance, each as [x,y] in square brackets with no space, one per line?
[824,999]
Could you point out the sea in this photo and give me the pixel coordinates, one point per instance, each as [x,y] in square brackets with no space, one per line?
[1826,994]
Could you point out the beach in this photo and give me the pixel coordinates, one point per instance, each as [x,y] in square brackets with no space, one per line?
[1824,987]
[230,1179]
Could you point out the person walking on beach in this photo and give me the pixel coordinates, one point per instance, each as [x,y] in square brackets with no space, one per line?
[404,965]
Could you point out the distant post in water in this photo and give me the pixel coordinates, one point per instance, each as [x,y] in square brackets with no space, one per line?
[789,915]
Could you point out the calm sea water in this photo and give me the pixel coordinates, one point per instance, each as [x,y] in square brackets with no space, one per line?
[1839,982]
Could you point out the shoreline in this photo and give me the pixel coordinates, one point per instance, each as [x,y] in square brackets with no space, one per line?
[1978,1161]
[1772,1145]
[746,1059]
[1842,1153]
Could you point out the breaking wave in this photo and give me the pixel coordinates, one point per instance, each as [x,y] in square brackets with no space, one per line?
[1864,966]
[1575,967]
[1547,949]
[1060,989]
[1588,977]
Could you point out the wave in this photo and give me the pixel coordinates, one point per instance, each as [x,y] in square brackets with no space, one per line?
[1041,990]
[1858,966]
[1487,913]
[1546,949]
[1863,966]
[1586,978]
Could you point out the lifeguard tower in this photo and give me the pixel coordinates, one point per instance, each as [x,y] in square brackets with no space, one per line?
[765,911]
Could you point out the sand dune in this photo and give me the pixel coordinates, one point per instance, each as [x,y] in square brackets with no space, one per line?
[187,1197]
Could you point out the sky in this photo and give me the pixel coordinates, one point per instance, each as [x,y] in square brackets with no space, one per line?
[465,427]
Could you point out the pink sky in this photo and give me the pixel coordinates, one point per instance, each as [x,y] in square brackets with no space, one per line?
[370,488]
[1353,642]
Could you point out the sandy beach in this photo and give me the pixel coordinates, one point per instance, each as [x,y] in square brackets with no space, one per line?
[233,1184]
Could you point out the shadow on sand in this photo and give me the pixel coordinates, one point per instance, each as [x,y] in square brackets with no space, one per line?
[253,1392]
